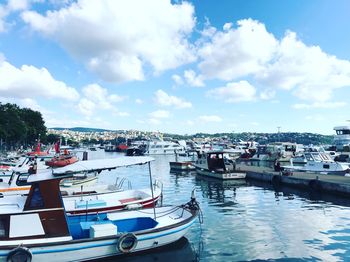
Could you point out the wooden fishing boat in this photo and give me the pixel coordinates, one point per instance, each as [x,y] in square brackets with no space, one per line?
[217,164]
[81,196]
[54,236]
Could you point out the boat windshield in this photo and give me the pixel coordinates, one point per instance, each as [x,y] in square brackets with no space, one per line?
[343,132]
[317,157]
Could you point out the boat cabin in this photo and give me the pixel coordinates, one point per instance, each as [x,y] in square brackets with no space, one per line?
[217,161]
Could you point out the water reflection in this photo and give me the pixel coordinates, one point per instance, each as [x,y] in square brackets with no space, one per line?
[222,193]
[249,221]
[181,250]
[311,198]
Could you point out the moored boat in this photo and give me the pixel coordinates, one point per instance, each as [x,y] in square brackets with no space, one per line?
[216,164]
[52,236]
[182,166]
[61,160]
[84,198]
[323,163]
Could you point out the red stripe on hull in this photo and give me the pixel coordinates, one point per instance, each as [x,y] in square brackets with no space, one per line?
[145,204]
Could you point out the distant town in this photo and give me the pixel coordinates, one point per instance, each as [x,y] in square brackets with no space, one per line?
[92,135]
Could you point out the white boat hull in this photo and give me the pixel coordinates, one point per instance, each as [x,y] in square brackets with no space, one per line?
[224,176]
[82,250]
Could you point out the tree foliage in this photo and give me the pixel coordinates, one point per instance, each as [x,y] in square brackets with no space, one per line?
[20,126]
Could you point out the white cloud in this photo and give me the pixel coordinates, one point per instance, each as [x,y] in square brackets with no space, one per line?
[155,121]
[234,92]
[210,118]
[98,98]
[192,79]
[11,7]
[322,105]
[30,103]
[267,94]
[227,26]
[31,82]
[235,53]
[310,73]
[163,99]
[122,36]
[15,5]
[159,114]
[86,107]
[177,79]
[305,71]
[138,101]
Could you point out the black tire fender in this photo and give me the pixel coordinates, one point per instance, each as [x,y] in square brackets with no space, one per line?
[21,254]
[127,243]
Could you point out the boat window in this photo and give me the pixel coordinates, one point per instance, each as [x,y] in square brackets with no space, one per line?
[153,146]
[343,132]
[308,157]
[326,166]
[4,226]
[166,146]
[37,199]
[22,180]
[2,229]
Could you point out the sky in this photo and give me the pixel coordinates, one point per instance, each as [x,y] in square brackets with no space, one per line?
[179,66]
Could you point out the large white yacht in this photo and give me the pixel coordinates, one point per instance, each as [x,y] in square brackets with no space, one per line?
[342,138]
[164,148]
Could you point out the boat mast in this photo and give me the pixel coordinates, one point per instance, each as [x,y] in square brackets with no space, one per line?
[150,181]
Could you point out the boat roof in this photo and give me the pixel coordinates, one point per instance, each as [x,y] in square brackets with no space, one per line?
[219,151]
[89,166]
[342,128]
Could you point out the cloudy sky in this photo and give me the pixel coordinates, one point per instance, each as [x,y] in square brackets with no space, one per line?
[179,66]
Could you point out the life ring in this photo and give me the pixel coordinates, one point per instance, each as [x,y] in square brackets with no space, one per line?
[21,254]
[127,243]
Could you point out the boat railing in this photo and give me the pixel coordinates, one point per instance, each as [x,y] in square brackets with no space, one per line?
[119,183]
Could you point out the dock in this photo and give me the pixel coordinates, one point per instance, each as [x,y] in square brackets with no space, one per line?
[332,184]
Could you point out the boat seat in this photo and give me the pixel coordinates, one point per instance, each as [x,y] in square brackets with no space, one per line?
[90,203]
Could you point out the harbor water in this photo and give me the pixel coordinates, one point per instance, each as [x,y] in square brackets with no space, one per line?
[244,221]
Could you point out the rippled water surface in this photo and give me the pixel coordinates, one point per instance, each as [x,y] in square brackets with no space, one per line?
[245,221]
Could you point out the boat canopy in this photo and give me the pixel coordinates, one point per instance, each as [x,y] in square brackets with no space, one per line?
[96,165]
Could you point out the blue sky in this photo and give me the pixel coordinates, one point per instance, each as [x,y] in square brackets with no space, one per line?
[179,66]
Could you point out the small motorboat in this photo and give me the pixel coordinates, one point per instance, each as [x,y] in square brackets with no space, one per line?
[135,151]
[54,236]
[217,164]
[182,166]
[62,160]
